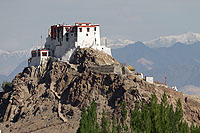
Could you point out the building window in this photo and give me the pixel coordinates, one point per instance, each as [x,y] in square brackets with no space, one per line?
[44,53]
[67,39]
[80,29]
[88,29]
[95,28]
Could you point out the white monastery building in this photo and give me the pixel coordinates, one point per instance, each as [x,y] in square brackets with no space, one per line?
[63,40]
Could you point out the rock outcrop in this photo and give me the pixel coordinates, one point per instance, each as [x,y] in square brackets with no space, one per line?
[51,97]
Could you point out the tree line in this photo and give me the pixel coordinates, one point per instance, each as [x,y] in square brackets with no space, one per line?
[149,118]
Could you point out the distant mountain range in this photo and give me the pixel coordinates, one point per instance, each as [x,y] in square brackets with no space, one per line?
[177,57]
[13,63]
[168,41]
[165,41]
[180,63]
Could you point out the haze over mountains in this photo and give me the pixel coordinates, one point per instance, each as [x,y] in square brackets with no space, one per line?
[177,57]
[113,44]
[13,63]
[178,60]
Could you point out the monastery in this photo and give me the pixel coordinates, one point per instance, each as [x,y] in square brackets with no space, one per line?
[63,40]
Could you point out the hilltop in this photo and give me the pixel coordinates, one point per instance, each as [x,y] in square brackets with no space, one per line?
[51,97]
[169,55]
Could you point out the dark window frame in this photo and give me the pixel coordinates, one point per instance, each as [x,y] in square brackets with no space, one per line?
[88,29]
[80,29]
[44,53]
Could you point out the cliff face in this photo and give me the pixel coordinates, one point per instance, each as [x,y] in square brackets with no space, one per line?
[51,97]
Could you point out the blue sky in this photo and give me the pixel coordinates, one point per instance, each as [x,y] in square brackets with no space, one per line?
[24,21]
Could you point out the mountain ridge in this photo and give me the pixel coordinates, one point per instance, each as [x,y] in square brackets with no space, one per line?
[168,41]
[180,63]
[163,41]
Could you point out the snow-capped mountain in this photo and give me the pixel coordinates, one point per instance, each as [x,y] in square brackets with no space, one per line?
[168,41]
[3,51]
[165,41]
[10,60]
[13,62]
[21,53]
[119,43]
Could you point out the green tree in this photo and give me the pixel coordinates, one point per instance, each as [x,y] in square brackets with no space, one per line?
[124,115]
[183,127]
[118,128]
[92,118]
[83,122]
[172,119]
[114,125]
[194,129]
[156,118]
[135,119]
[145,119]
[105,123]
[164,114]
[88,122]
[155,115]
[178,112]
[6,86]
[178,116]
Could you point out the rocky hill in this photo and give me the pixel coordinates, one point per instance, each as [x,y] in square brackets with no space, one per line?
[50,98]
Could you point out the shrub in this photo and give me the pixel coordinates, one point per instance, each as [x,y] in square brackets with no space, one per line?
[6,86]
